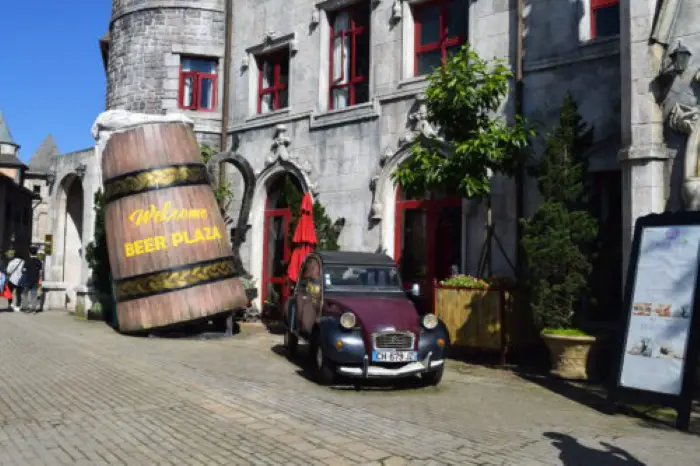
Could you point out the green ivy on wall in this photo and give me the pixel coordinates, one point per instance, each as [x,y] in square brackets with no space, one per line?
[325,233]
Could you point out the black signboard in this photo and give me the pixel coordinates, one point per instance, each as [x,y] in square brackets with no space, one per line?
[658,350]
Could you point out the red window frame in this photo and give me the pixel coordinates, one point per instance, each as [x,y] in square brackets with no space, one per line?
[596,5]
[444,42]
[276,59]
[197,78]
[354,31]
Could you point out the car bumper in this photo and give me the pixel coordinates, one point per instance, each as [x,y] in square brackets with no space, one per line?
[367,371]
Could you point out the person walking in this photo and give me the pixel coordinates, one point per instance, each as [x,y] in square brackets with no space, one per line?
[15,270]
[31,277]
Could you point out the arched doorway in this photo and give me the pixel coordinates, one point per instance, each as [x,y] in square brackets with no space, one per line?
[73,232]
[277,245]
[428,241]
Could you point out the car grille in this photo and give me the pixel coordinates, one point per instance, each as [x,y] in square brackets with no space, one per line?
[394,340]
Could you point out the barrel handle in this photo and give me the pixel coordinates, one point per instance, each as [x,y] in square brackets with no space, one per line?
[243,166]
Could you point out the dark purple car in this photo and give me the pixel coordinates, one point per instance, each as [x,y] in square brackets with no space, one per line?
[359,322]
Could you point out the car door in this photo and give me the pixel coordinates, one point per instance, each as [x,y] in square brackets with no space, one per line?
[309,294]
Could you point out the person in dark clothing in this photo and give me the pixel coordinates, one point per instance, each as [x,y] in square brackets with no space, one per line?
[31,276]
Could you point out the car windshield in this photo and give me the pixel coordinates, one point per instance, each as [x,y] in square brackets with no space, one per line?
[361,277]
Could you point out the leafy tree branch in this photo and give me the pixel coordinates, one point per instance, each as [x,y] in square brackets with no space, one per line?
[464,99]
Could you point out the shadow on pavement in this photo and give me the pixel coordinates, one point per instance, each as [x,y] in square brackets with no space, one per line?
[595,397]
[572,453]
[303,362]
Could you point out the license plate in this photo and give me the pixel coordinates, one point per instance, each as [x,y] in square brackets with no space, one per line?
[394,356]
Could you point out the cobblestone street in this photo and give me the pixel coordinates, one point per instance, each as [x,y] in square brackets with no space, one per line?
[77,393]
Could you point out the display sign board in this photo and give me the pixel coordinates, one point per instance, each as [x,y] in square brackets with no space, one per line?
[658,348]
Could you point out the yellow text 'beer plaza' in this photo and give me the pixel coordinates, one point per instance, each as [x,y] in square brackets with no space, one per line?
[167,214]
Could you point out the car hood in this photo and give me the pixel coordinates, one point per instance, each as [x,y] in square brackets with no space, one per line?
[377,313]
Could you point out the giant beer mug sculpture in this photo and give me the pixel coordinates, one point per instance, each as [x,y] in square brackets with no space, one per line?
[169,251]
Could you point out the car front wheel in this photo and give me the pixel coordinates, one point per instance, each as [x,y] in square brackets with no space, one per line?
[323,371]
[433,378]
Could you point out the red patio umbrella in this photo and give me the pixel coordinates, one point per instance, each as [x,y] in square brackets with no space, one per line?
[304,238]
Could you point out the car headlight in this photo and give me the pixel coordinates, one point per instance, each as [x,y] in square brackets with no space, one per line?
[348,320]
[430,321]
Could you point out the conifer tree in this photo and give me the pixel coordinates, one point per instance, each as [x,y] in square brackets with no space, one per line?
[558,239]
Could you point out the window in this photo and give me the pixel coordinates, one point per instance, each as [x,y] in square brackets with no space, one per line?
[349,56]
[273,81]
[605,18]
[441,29]
[345,276]
[198,84]
[37,189]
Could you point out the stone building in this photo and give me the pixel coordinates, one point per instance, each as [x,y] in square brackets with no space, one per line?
[16,201]
[38,179]
[330,93]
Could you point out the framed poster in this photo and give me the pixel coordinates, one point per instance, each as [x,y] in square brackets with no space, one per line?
[658,347]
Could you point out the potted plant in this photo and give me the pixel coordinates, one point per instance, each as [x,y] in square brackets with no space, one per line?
[251,290]
[557,242]
[478,313]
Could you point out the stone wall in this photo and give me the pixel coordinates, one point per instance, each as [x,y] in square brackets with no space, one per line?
[562,59]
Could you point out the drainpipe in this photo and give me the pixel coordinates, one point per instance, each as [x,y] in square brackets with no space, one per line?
[228,43]
[520,171]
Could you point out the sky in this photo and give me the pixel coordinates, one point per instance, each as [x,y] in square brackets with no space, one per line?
[52,80]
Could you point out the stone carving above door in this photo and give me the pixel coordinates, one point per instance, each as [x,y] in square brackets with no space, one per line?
[280,155]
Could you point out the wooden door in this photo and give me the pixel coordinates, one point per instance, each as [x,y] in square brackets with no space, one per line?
[275,289]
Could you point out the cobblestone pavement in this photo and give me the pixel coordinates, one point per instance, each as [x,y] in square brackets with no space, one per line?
[77,393]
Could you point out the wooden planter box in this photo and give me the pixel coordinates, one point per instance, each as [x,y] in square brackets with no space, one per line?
[483,319]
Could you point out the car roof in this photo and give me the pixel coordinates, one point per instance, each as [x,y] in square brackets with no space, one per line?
[357,258]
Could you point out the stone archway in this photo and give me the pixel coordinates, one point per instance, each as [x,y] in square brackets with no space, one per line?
[264,183]
[69,233]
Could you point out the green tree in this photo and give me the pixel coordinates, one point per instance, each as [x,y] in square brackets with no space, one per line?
[96,253]
[558,239]
[463,100]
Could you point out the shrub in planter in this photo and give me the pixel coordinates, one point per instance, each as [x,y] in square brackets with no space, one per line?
[478,313]
[558,242]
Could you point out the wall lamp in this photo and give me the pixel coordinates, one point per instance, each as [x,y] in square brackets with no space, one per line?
[680,58]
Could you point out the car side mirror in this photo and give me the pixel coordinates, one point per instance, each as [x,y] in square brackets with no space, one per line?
[415,290]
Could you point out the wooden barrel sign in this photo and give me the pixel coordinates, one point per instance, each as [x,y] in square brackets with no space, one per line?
[168,249]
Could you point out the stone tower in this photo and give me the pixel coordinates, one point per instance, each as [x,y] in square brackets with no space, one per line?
[151,43]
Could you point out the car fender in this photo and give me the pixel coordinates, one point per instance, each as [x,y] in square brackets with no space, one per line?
[427,341]
[330,332]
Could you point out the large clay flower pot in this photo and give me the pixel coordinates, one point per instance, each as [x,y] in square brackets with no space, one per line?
[569,355]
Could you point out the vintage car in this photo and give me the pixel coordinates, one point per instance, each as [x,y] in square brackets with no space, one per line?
[359,322]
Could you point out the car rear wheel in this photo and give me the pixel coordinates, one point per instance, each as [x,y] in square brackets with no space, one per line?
[433,378]
[291,343]
[323,371]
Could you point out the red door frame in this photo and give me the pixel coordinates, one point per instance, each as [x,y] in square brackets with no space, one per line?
[432,208]
[286,214]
